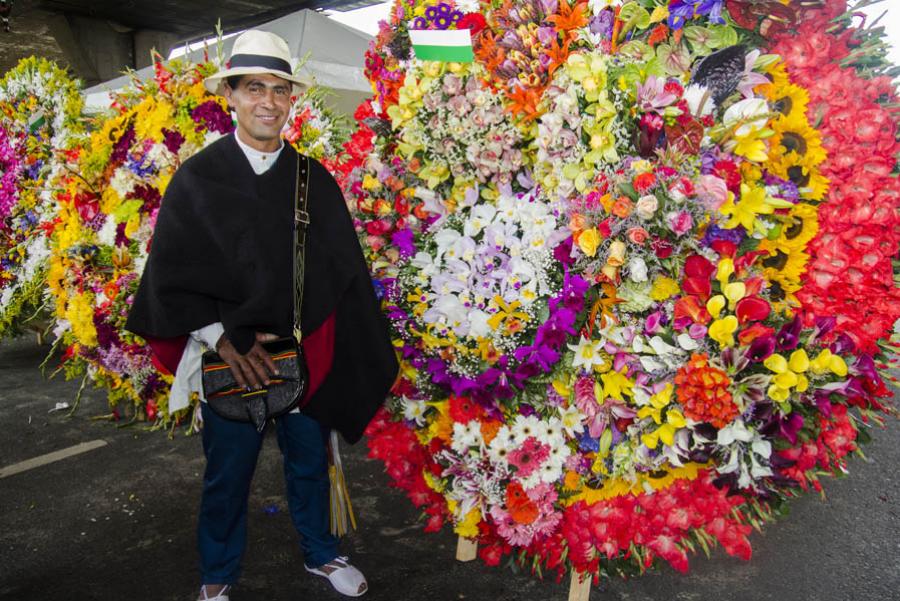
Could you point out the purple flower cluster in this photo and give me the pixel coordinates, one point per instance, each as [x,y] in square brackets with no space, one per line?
[210,116]
[441,16]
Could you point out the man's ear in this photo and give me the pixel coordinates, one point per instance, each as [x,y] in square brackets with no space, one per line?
[227,91]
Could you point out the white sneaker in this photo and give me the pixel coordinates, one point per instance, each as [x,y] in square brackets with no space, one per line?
[345,578]
[220,596]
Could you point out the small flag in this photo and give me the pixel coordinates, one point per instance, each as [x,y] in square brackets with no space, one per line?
[36,121]
[449,45]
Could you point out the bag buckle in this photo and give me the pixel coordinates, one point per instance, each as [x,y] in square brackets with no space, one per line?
[301,217]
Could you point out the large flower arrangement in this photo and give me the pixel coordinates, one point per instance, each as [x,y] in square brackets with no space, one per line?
[592,243]
[40,111]
[108,208]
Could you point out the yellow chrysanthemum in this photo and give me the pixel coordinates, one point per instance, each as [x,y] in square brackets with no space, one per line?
[664,288]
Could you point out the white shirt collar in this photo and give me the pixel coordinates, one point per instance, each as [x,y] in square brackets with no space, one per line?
[259,161]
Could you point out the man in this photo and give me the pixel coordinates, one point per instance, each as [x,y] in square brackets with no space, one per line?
[5,11]
[220,272]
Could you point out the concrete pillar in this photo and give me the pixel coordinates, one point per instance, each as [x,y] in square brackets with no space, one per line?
[96,50]
[147,40]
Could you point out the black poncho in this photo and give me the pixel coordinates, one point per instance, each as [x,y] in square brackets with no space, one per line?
[221,251]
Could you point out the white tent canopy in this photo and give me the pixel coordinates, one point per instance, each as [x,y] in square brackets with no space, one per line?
[336,58]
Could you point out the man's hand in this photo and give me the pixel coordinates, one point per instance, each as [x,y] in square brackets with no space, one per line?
[253,370]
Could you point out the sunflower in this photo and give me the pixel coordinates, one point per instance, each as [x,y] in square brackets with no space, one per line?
[783,268]
[800,226]
[803,173]
[786,98]
[794,134]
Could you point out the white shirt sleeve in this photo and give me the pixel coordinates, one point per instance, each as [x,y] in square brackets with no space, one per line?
[188,375]
[209,335]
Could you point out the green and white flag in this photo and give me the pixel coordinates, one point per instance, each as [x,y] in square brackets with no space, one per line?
[449,45]
[36,121]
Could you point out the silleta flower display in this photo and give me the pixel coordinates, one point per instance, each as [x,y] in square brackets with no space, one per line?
[624,290]
[639,258]
[40,120]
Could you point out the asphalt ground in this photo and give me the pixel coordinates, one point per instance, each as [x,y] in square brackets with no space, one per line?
[117,523]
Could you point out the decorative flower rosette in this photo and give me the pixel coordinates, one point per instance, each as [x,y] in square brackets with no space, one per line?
[40,112]
[108,208]
[593,245]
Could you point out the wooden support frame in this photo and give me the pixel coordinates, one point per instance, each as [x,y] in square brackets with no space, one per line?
[466,549]
[580,586]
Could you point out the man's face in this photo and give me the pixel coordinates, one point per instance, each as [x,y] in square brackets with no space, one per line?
[262,103]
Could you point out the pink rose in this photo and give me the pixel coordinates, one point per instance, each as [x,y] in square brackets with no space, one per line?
[638,235]
[679,222]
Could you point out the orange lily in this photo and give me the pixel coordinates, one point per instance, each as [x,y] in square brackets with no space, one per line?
[524,102]
[570,16]
[558,54]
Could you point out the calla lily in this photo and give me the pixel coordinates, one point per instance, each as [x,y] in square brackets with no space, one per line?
[697,286]
[724,271]
[673,421]
[752,308]
[697,266]
[715,305]
[722,330]
[827,361]
[734,292]
[689,307]
[761,348]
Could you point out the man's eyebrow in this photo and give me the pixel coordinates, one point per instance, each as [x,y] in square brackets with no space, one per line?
[261,83]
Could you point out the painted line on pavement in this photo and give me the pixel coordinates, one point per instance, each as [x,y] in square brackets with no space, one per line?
[30,464]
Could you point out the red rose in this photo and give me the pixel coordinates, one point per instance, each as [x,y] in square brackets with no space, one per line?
[662,248]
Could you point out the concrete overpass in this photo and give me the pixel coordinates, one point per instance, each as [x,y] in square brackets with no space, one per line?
[97,39]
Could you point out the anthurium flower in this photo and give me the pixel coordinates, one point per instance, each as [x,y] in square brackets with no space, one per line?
[722,330]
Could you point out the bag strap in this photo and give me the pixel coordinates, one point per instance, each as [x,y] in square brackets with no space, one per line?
[301,221]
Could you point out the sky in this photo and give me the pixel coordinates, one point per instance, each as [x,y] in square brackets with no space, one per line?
[366,19]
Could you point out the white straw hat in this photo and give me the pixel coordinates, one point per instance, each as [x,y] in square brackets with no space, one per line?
[257,52]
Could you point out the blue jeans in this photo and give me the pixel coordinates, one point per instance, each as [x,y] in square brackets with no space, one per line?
[231,450]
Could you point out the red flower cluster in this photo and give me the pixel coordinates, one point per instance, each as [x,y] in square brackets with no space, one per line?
[850,273]
[661,522]
[405,461]
[836,440]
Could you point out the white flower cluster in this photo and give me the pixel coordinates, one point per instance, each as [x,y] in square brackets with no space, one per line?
[489,265]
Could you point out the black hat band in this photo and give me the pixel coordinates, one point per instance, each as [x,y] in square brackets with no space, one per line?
[260,60]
